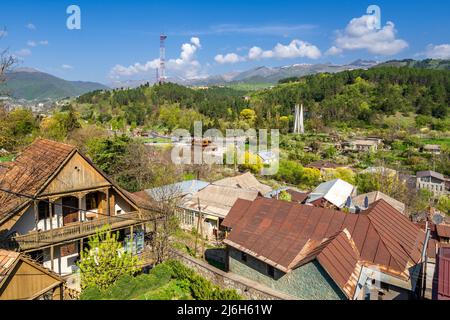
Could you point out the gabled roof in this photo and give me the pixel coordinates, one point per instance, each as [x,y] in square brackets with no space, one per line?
[218,200]
[33,169]
[432,147]
[284,233]
[30,171]
[429,173]
[176,190]
[244,181]
[9,259]
[444,274]
[375,196]
[340,257]
[335,191]
[443,230]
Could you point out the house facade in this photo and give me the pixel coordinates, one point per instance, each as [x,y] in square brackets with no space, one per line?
[53,198]
[315,253]
[431,181]
[205,210]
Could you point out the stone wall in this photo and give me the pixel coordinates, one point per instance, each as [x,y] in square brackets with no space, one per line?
[247,288]
[309,282]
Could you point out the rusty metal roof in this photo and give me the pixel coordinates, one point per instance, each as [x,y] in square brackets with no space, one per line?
[444,274]
[443,231]
[280,232]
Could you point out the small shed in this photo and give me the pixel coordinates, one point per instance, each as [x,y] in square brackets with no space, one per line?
[22,278]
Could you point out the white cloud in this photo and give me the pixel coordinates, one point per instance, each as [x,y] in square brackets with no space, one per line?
[438,52]
[334,51]
[31,26]
[186,65]
[295,49]
[66,67]
[3,33]
[23,52]
[361,35]
[230,58]
[32,43]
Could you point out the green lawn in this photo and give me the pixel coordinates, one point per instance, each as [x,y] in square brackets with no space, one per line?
[7,158]
[439,141]
[155,140]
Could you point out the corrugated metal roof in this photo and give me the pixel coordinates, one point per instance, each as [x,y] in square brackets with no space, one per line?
[281,232]
[444,274]
[244,181]
[375,196]
[176,190]
[335,191]
[443,230]
[218,200]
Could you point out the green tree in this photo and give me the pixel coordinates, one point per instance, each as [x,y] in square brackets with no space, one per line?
[285,196]
[249,116]
[444,204]
[104,261]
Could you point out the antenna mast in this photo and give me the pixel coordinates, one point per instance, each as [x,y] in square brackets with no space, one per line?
[162,58]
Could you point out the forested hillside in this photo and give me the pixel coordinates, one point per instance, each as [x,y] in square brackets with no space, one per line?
[357,98]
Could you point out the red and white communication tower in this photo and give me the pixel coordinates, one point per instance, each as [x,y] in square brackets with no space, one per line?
[162,58]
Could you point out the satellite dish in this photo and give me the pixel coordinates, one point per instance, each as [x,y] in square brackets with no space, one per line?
[438,219]
[366,202]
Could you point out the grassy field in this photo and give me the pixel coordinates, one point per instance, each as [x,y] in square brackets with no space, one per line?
[7,158]
[249,86]
[155,140]
[439,141]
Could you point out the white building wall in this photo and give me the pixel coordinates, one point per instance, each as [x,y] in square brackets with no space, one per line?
[26,223]
[121,205]
[61,265]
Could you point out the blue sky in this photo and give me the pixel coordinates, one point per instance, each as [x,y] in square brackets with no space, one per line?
[119,40]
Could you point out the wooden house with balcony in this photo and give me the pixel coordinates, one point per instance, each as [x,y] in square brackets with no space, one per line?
[52,198]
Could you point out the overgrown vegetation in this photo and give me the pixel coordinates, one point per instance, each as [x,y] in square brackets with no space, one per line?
[170,280]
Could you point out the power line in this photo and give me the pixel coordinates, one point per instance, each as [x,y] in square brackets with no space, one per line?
[21,195]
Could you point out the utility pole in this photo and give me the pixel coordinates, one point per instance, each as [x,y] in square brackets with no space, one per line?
[198,225]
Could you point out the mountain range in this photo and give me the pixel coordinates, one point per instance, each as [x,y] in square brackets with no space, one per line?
[31,84]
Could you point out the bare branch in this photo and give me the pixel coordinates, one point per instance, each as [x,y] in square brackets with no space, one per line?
[7,60]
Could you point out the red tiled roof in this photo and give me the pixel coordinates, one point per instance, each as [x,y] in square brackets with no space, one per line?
[30,171]
[7,260]
[279,232]
[444,274]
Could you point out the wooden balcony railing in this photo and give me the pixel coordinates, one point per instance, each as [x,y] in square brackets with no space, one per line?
[78,230]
